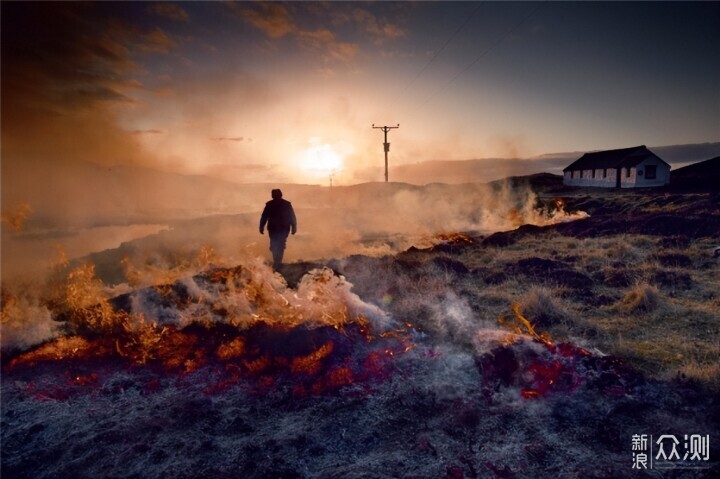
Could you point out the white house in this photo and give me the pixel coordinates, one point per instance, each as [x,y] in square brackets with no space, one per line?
[624,168]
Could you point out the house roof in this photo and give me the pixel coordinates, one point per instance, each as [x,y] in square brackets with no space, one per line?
[622,158]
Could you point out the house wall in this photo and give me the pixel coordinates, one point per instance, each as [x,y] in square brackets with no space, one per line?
[635,179]
[628,181]
[584,178]
[662,173]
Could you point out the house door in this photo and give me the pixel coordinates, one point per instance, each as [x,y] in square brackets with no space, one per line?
[618,175]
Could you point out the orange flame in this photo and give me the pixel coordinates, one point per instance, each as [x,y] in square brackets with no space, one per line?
[249,298]
[231,350]
[454,238]
[524,326]
[16,216]
[310,364]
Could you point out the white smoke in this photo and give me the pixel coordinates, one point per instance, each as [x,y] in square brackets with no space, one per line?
[25,323]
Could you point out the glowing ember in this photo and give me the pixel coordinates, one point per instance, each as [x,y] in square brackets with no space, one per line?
[553,367]
[453,238]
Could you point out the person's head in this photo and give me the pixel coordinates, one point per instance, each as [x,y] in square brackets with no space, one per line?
[276,194]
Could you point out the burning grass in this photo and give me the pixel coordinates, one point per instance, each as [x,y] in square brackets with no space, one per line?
[242,321]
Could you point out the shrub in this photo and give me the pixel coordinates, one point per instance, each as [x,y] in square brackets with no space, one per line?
[640,298]
[542,308]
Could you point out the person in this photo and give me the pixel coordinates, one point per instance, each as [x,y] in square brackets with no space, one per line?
[280,219]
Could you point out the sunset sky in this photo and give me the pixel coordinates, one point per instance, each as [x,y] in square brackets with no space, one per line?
[288,91]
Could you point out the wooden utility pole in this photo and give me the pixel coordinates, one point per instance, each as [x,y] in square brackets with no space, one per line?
[386,145]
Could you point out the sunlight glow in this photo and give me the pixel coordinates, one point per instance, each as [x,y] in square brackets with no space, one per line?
[321,160]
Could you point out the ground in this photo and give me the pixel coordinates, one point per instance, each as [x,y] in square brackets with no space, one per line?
[536,352]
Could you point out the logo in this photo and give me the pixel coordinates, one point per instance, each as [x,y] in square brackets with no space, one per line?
[669,452]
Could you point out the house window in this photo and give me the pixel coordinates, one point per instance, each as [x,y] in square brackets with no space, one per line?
[627,172]
[593,173]
[650,172]
[572,175]
[604,172]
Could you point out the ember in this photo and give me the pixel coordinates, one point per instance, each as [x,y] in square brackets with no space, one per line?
[453,238]
[550,367]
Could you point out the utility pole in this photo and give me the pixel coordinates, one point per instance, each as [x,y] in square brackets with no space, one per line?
[386,145]
[332,173]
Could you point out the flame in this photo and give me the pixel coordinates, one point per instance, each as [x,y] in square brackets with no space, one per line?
[516,217]
[69,347]
[154,271]
[310,364]
[531,213]
[454,238]
[86,301]
[524,326]
[555,215]
[61,259]
[557,369]
[206,256]
[223,319]
[231,350]
[16,216]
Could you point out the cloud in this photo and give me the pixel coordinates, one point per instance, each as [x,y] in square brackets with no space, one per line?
[275,21]
[169,10]
[325,41]
[272,18]
[64,87]
[151,131]
[379,29]
[153,41]
[75,57]
[232,138]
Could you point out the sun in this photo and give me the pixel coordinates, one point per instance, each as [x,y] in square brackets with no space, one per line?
[320,160]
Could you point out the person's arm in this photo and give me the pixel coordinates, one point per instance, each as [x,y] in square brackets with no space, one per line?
[263,220]
[293,221]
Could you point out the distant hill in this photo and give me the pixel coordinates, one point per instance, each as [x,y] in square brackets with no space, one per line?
[703,175]
[474,171]
[540,182]
[485,170]
[81,194]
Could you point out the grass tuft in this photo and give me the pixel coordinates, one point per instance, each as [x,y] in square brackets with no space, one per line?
[642,297]
[541,307]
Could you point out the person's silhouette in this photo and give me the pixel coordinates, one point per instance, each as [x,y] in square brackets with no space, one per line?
[280,219]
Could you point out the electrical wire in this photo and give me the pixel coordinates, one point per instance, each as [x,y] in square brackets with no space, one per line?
[440,50]
[484,53]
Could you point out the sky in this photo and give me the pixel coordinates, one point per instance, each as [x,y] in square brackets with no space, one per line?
[287,92]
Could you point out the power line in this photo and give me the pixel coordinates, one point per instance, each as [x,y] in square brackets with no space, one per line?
[485,52]
[440,50]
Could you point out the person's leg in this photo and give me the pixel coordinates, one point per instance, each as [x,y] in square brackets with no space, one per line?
[277,246]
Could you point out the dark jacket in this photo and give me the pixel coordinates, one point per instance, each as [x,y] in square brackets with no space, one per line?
[279,216]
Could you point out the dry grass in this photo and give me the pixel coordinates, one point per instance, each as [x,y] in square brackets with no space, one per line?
[541,306]
[640,298]
[655,306]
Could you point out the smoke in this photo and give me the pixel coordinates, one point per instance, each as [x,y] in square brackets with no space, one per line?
[242,296]
[26,322]
[255,294]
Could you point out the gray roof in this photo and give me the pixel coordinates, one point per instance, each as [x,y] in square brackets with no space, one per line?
[622,158]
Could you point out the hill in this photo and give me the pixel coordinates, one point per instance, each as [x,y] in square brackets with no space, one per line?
[698,176]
